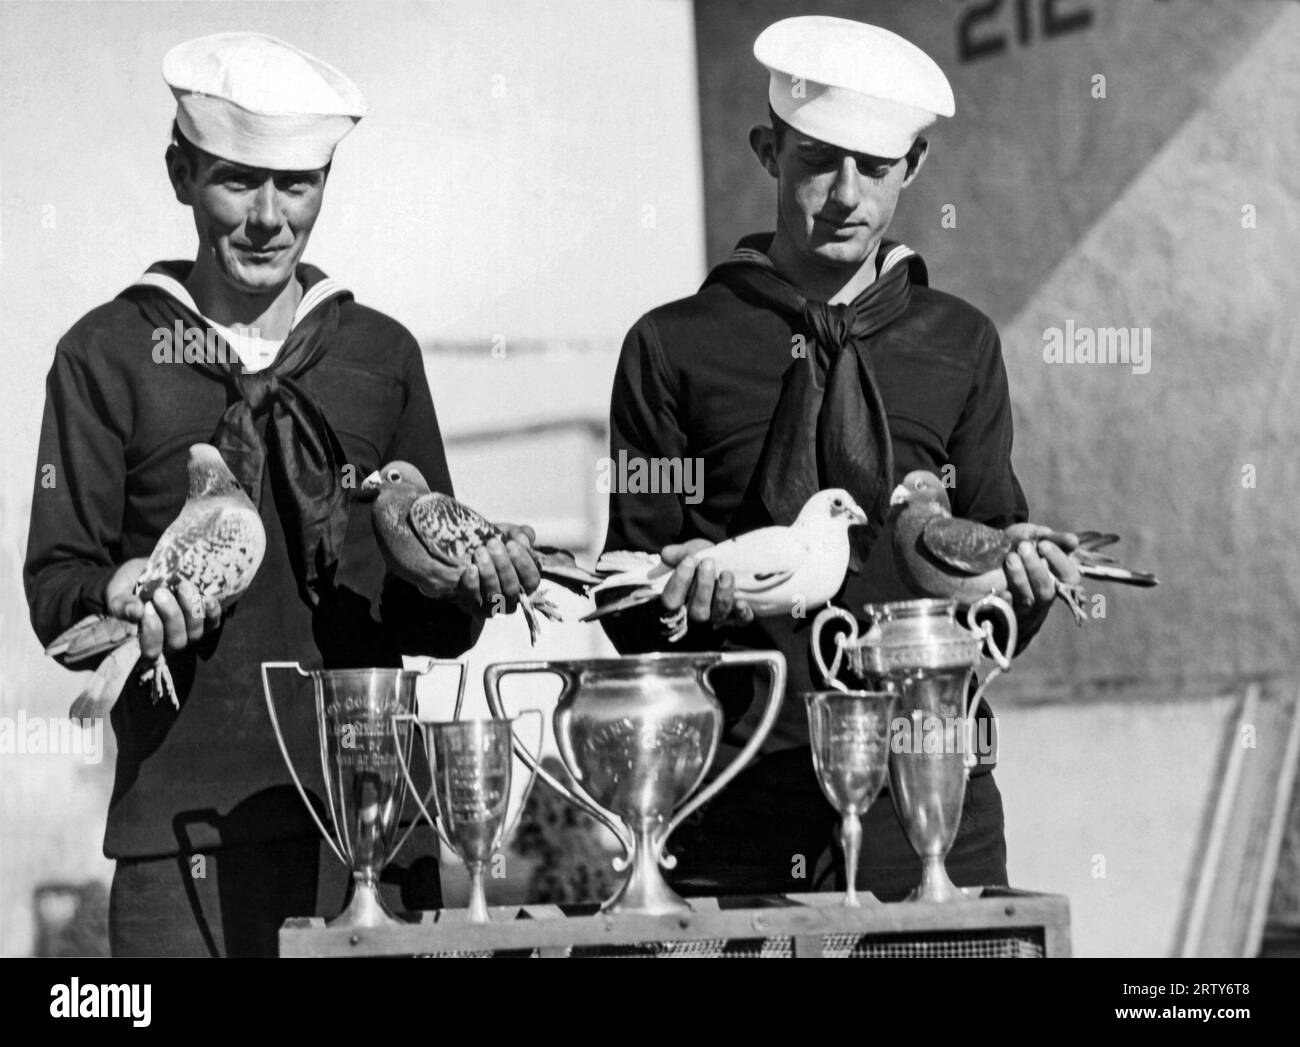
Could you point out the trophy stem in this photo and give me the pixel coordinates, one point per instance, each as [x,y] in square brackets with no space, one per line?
[478,910]
[935,884]
[645,890]
[851,841]
[366,908]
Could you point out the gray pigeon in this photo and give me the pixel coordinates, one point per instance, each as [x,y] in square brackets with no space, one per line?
[216,543]
[429,539]
[947,557]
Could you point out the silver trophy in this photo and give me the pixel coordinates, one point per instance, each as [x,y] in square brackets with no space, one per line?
[638,735]
[850,733]
[471,764]
[361,755]
[919,651]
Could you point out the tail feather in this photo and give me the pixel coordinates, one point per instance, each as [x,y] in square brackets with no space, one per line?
[91,636]
[623,561]
[102,690]
[1122,575]
[559,566]
[1090,541]
[642,595]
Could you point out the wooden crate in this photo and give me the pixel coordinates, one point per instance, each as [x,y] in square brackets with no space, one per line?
[1000,923]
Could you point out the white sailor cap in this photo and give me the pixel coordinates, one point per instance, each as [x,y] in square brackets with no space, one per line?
[853,85]
[258,101]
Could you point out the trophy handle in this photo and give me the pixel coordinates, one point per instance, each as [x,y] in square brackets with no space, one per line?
[830,673]
[288,760]
[994,603]
[775,661]
[460,688]
[541,740]
[410,782]
[492,677]
[1002,658]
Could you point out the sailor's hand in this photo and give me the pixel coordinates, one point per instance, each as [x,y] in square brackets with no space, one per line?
[171,619]
[698,591]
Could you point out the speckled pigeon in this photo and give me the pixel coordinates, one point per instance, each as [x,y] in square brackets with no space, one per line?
[777,570]
[429,539]
[943,556]
[216,543]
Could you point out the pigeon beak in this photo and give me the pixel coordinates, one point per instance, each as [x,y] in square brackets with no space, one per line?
[900,495]
[370,486]
[859,517]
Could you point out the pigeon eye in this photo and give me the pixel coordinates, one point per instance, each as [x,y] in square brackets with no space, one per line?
[838,503]
[394,476]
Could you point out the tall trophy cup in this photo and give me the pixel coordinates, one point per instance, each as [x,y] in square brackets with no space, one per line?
[918,650]
[471,764]
[361,756]
[638,735]
[850,750]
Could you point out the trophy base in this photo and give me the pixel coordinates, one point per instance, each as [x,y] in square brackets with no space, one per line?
[365,909]
[645,890]
[935,885]
[649,899]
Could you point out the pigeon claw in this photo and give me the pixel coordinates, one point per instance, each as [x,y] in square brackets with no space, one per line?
[163,684]
[1073,595]
[674,624]
[544,605]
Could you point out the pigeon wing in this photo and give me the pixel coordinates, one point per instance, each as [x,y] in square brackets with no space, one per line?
[760,560]
[450,531]
[213,544]
[965,545]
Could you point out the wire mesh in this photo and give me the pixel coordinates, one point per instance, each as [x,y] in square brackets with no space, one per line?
[1006,945]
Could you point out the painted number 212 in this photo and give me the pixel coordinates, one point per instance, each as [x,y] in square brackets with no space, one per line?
[980,29]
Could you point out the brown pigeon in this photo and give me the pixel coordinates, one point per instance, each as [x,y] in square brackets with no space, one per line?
[429,539]
[216,543]
[942,556]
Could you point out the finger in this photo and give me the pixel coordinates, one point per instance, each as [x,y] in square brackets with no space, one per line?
[130,607]
[212,612]
[522,533]
[191,603]
[525,565]
[1068,540]
[467,589]
[504,565]
[175,636]
[743,614]
[1041,580]
[706,578]
[1064,566]
[489,585]
[674,594]
[1018,581]
[724,599]
[675,553]
[151,632]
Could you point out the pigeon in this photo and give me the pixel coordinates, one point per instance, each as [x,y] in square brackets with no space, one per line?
[942,556]
[426,535]
[777,569]
[216,543]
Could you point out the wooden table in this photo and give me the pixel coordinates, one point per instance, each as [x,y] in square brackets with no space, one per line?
[1000,922]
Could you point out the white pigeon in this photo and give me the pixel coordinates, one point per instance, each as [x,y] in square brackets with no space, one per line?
[777,570]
